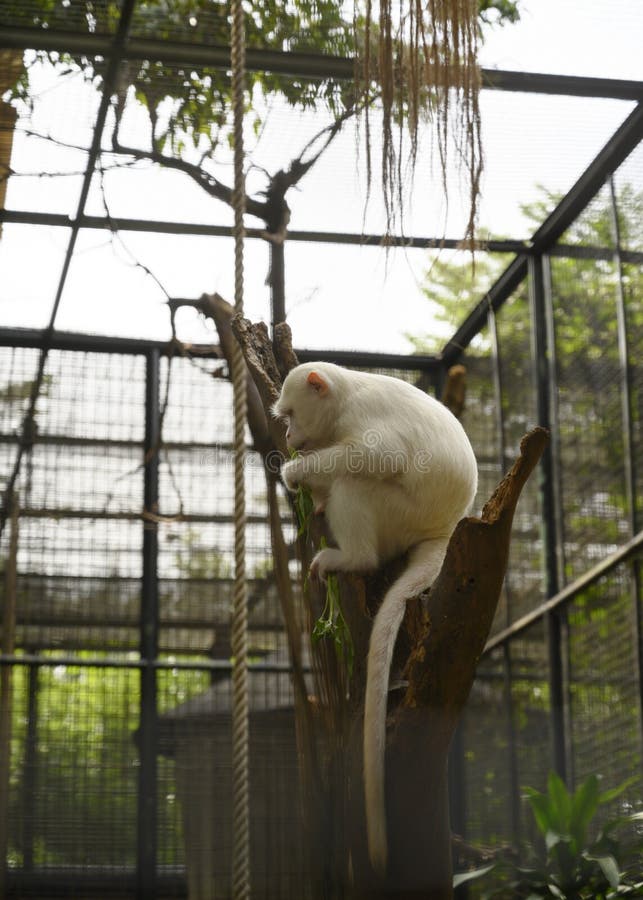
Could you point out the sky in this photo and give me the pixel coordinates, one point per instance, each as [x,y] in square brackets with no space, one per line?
[337,297]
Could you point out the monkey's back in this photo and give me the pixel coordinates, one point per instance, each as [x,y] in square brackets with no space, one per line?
[435,473]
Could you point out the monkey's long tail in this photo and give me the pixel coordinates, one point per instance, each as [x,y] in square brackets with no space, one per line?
[425,561]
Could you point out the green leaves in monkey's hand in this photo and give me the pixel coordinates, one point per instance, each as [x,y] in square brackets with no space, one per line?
[304,506]
[332,624]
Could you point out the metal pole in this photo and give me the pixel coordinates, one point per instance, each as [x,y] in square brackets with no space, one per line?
[506,659]
[29,773]
[6,685]
[626,382]
[554,428]
[558,529]
[277,283]
[26,437]
[628,451]
[497,396]
[148,731]
[541,360]
[572,590]
[618,148]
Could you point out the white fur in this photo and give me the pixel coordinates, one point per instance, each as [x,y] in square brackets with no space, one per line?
[394,471]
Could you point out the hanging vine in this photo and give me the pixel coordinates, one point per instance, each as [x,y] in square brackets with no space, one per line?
[420,57]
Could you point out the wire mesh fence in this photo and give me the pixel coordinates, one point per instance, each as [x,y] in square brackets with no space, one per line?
[563,689]
[566,686]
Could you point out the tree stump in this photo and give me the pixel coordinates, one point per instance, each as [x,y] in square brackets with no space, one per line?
[440,644]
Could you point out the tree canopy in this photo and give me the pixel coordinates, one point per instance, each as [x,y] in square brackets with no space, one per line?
[407,63]
[201,93]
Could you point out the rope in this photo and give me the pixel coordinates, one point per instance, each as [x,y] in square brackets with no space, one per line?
[239,640]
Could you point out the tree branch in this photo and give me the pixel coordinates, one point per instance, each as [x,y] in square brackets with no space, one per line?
[462,601]
[262,365]
[204,179]
[455,390]
[442,640]
[214,307]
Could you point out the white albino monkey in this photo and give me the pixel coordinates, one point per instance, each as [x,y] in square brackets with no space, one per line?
[394,472]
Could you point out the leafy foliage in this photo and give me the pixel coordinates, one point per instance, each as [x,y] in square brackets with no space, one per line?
[304,507]
[74,802]
[453,288]
[331,624]
[572,865]
[190,104]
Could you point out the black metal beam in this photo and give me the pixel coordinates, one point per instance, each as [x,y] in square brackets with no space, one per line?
[367,360]
[501,290]
[177,52]
[86,343]
[417,242]
[117,43]
[149,639]
[35,661]
[630,550]
[60,514]
[567,85]
[315,65]
[109,83]
[624,140]
[97,883]
[554,620]
[27,217]
[629,442]
[30,765]
[96,343]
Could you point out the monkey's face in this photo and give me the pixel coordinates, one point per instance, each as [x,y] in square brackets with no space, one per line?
[305,404]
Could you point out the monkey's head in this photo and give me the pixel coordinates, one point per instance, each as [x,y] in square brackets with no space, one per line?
[308,403]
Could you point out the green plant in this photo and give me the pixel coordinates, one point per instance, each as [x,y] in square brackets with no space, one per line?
[304,506]
[331,624]
[571,865]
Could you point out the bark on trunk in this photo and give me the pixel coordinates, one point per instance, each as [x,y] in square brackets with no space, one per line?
[441,641]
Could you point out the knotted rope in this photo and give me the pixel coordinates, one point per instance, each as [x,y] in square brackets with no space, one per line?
[239,640]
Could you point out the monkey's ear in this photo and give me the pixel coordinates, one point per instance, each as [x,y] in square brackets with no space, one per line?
[318,384]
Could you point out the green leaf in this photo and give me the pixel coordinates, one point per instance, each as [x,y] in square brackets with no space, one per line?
[560,801]
[585,802]
[540,808]
[322,628]
[552,838]
[332,624]
[464,877]
[609,868]
[304,508]
[608,796]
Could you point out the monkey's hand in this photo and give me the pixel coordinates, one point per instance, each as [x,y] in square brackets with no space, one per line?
[327,560]
[292,473]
